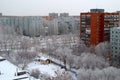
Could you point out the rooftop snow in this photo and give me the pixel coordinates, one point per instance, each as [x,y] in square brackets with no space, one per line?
[8,70]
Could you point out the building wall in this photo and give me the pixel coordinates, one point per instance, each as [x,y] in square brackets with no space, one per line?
[53,15]
[119,18]
[110,20]
[115,43]
[64,14]
[41,25]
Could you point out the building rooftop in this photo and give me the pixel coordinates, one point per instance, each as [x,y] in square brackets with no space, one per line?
[97,10]
[8,71]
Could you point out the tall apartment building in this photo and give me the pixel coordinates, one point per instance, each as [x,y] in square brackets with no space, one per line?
[95,26]
[29,25]
[115,44]
[42,25]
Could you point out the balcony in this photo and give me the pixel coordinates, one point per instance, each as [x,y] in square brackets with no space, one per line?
[105,29]
[88,31]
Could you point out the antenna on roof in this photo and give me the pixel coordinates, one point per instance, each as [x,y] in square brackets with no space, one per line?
[96,6]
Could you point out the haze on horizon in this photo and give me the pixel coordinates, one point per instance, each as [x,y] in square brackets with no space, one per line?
[44,7]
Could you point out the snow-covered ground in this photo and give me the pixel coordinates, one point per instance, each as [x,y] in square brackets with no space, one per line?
[48,69]
[8,71]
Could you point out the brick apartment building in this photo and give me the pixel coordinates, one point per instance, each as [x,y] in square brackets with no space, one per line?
[95,26]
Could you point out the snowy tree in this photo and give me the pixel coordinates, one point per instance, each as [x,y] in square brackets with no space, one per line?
[109,73]
[90,49]
[24,57]
[35,73]
[77,62]
[92,61]
[80,49]
[38,75]
[102,49]
[7,37]
[70,60]
[25,44]
[63,76]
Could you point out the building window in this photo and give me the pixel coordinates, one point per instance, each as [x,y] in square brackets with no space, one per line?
[116,35]
[115,51]
[112,51]
[115,47]
[111,48]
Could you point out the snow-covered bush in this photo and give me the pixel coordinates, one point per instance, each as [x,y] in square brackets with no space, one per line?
[92,61]
[109,73]
[63,76]
[35,73]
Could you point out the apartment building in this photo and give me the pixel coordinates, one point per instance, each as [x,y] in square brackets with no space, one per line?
[95,26]
[115,44]
[42,25]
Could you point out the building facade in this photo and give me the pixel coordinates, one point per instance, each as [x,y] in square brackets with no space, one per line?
[42,25]
[53,15]
[119,17]
[64,14]
[115,44]
[29,25]
[95,26]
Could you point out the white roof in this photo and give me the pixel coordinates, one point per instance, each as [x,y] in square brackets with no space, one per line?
[8,70]
[1,57]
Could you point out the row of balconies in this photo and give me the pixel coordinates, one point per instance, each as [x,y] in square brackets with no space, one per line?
[111,16]
[111,19]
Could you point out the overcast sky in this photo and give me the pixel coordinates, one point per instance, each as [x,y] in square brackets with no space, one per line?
[43,7]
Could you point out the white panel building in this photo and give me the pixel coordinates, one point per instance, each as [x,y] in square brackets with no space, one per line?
[115,43]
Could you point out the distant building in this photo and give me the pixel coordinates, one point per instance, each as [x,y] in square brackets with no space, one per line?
[42,25]
[51,27]
[47,18]
[115,44]
[29,25]
[95,26]
[53,15]
[64,14]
